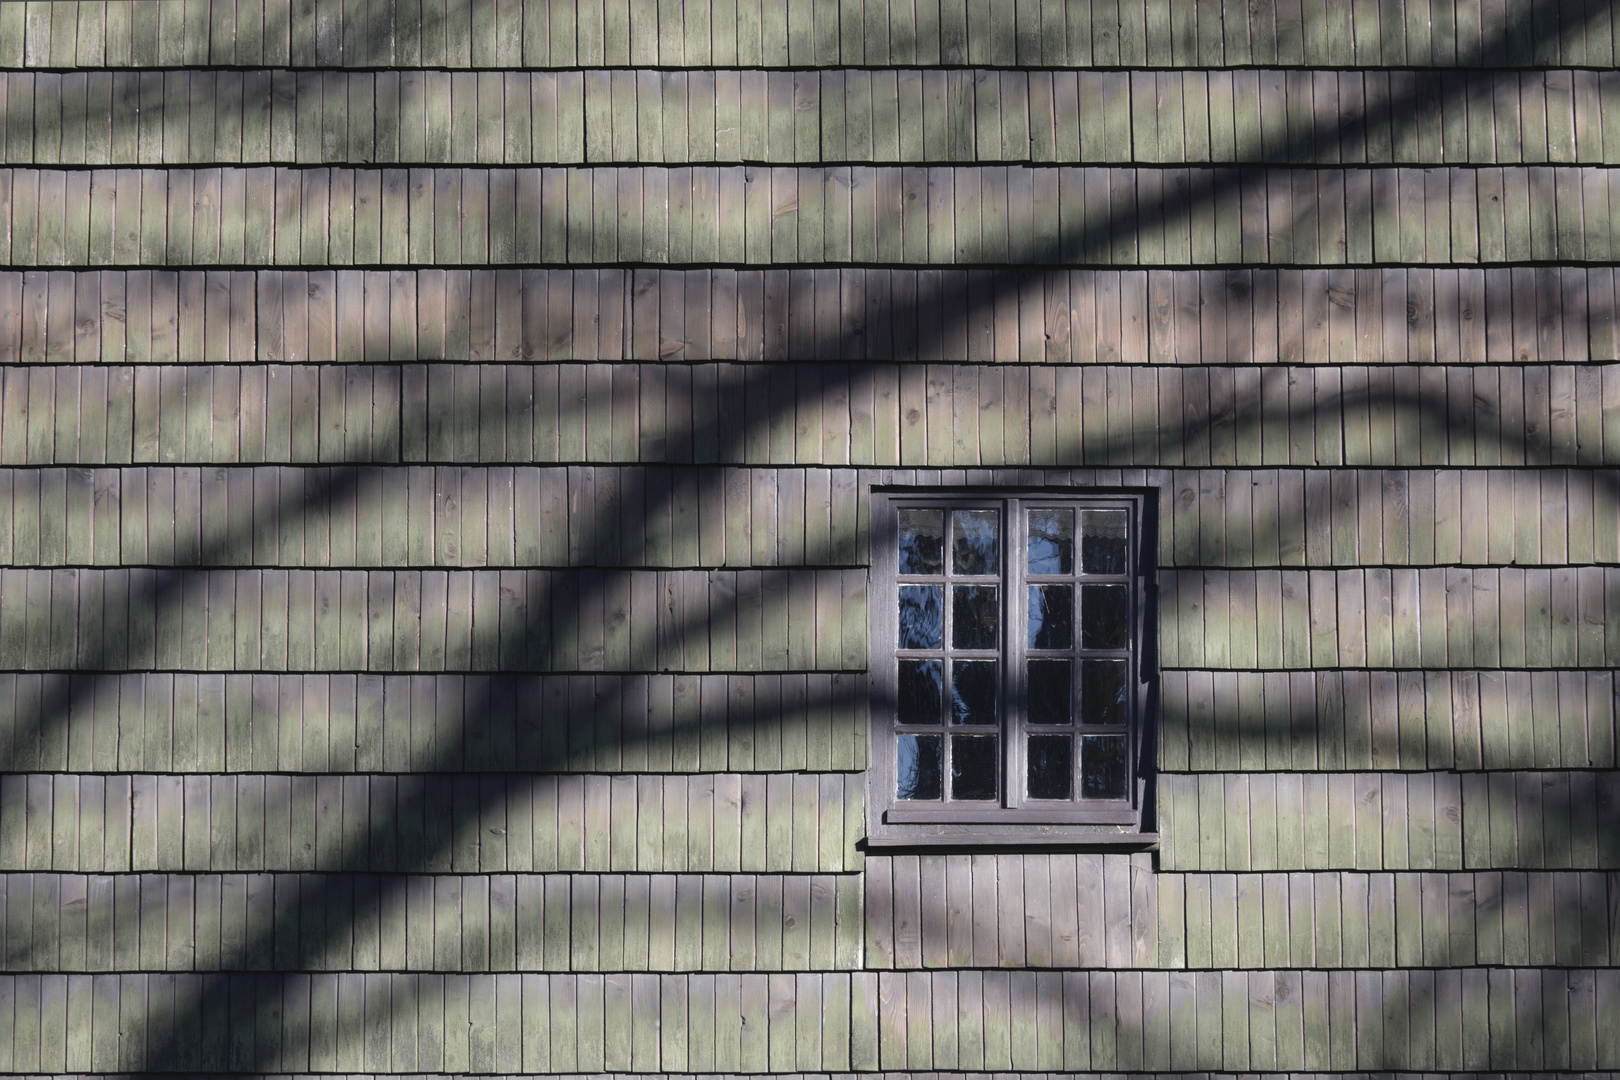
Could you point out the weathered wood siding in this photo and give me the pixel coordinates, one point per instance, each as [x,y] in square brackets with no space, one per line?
[435,446]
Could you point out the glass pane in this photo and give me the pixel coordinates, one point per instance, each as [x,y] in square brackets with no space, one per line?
[973,766]
[920,691]
[1104,616]
[1051,616]
[1103,687]
[922,616]
[1102,544]
[973,691]
[974,617]
[922,541]
[918,766]
[1102,766]
[1049,682]
[1051,541]
[1051,767]
[973,547]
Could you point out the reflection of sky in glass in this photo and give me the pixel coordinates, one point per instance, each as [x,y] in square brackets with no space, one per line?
[922,541]
[920,691]
[1103,611]
[922,616]
[973,548]
[1051,541]
[917,767]
[973,691]
[1051,616]
[974,617]
[1102,547]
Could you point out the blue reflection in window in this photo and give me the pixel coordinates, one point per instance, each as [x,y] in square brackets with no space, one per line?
[922,616]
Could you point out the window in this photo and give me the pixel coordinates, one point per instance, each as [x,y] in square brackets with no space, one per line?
[1008,684]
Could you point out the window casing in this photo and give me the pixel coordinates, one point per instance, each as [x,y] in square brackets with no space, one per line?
[1009,690]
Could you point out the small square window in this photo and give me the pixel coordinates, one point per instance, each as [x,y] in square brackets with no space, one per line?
[1009,693]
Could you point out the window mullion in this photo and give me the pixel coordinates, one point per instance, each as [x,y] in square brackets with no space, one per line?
[1013,724]
[946,655]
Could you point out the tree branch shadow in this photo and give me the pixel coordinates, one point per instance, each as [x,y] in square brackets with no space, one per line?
[170,1043]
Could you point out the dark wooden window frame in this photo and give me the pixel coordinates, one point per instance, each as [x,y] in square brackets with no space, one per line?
[896,823]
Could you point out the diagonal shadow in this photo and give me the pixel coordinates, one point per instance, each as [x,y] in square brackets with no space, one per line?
[172,1046]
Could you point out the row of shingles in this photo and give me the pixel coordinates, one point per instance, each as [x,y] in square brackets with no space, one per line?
[1386,720]
[808,822]
[431,516]
[803,33]
[749,823]
[1387,517]
[1112,911]
[1470,1018]
[1393,821]
[784,215]
[1327,416]
[1209,722]
[1338,919]
[433,1023]
[1377,618]
[193,725]
[91,413]
[1385,316]
[943,416]
[434,620]
[919,912]
[685,516]
[910,115]
[178,117]
[1475,1018]
[71,923]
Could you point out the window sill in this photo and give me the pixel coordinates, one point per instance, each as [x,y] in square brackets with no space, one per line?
[1009,835]
[927,815]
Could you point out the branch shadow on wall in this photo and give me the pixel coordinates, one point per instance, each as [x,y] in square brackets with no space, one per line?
[170,1043]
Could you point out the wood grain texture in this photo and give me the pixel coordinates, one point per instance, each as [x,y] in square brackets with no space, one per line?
[294,225]
[445,423]
[42,632]
[84,34]
[168,515]
[565,1004]
[567,814]
[248,316]
[1374,820]
[848,115]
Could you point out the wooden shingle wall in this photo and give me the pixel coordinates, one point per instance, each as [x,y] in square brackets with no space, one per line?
[435,442]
